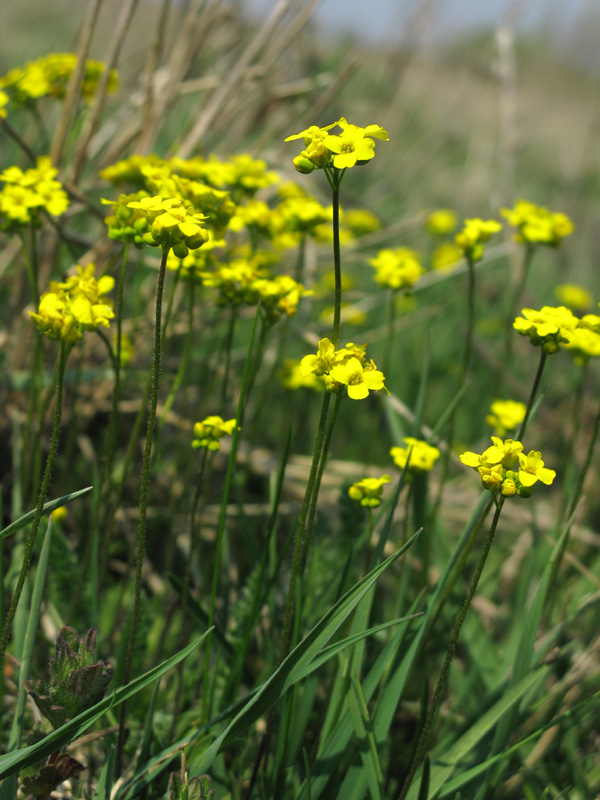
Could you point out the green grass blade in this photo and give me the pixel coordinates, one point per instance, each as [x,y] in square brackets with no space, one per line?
[104,787]
[366,741]
[13,762]
[334,748]
[295,664]
[444,764]
[52,505]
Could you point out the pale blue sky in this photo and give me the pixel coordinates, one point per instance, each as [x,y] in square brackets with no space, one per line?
[386,19]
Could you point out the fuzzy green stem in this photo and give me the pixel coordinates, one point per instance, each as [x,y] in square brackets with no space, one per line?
[228,346]
[299,532]
[30,543]
[337,265]
[141,527]
[441,682]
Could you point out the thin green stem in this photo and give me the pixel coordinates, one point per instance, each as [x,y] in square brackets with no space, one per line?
[223,513]
[510,314]
[315,492]
[185,357]
[228,346]
[585,467]
[30,543]
[300,526]
[533,395]
[441,682]
[387,358]
[337,264]
[142,518]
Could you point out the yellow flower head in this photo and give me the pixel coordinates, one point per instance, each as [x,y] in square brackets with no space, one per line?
[446,256]
[420,455]
[344,367]
[475,233]
[292,377]
[28,193]
[442,221]
[505,469]
[210,431]
[398,269]
[367,492]
[361,221]
[538,225]
[354,145]
[549,327]
[506,415]
[75,305]
[583,344]
[573,296]
[171,224]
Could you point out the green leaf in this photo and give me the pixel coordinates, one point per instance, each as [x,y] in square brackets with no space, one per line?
[52,505]
[295,665]
[444,764]
[13,762]
[366,741]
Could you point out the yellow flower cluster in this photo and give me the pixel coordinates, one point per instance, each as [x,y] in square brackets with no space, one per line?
[506,415]
[74,305]
[398,268]
[553,328]
[354,145]
[241,175]
[156,221]
[210,431]
[538,225]
[505,470]
[48,77]
[344,367]
[368,492]
[475,233]
[27,193]
[420,455]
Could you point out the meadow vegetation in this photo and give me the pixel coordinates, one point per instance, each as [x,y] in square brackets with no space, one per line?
[300,413]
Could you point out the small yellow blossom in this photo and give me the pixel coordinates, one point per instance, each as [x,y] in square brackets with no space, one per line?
[446,256]
[354,145]
[368,492]
[398,268]
[475,233]
[420,455]
[360,380]
[292,377]
[210,431]
[549,327]
[573,296]
[442,221]
[583,344]
[361,221]
[27,193]
[538,225]
[506,415]
[532,469]
[59,514]
[344,367]
[505,469]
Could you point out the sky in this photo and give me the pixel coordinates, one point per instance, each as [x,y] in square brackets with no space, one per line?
[385,20]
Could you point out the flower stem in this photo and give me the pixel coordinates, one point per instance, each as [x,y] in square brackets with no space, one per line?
[141,526]
[299,532]
[533,395]
[441,682]
[30,543]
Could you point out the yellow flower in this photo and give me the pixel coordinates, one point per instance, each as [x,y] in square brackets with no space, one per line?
[549,327]
[398,269]
[210,431]
[506,415]
[292,377]
[446,256]
[361,221]
[538,225]
[27,193]
[171,224]
[420,455]
[354,145]
[583,344]
[531,469]
[359,380]
[573,296]
[475,233]
[442,221]
[321,363]
[368,491]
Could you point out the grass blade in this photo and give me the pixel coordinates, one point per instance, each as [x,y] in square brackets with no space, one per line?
[52,505]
